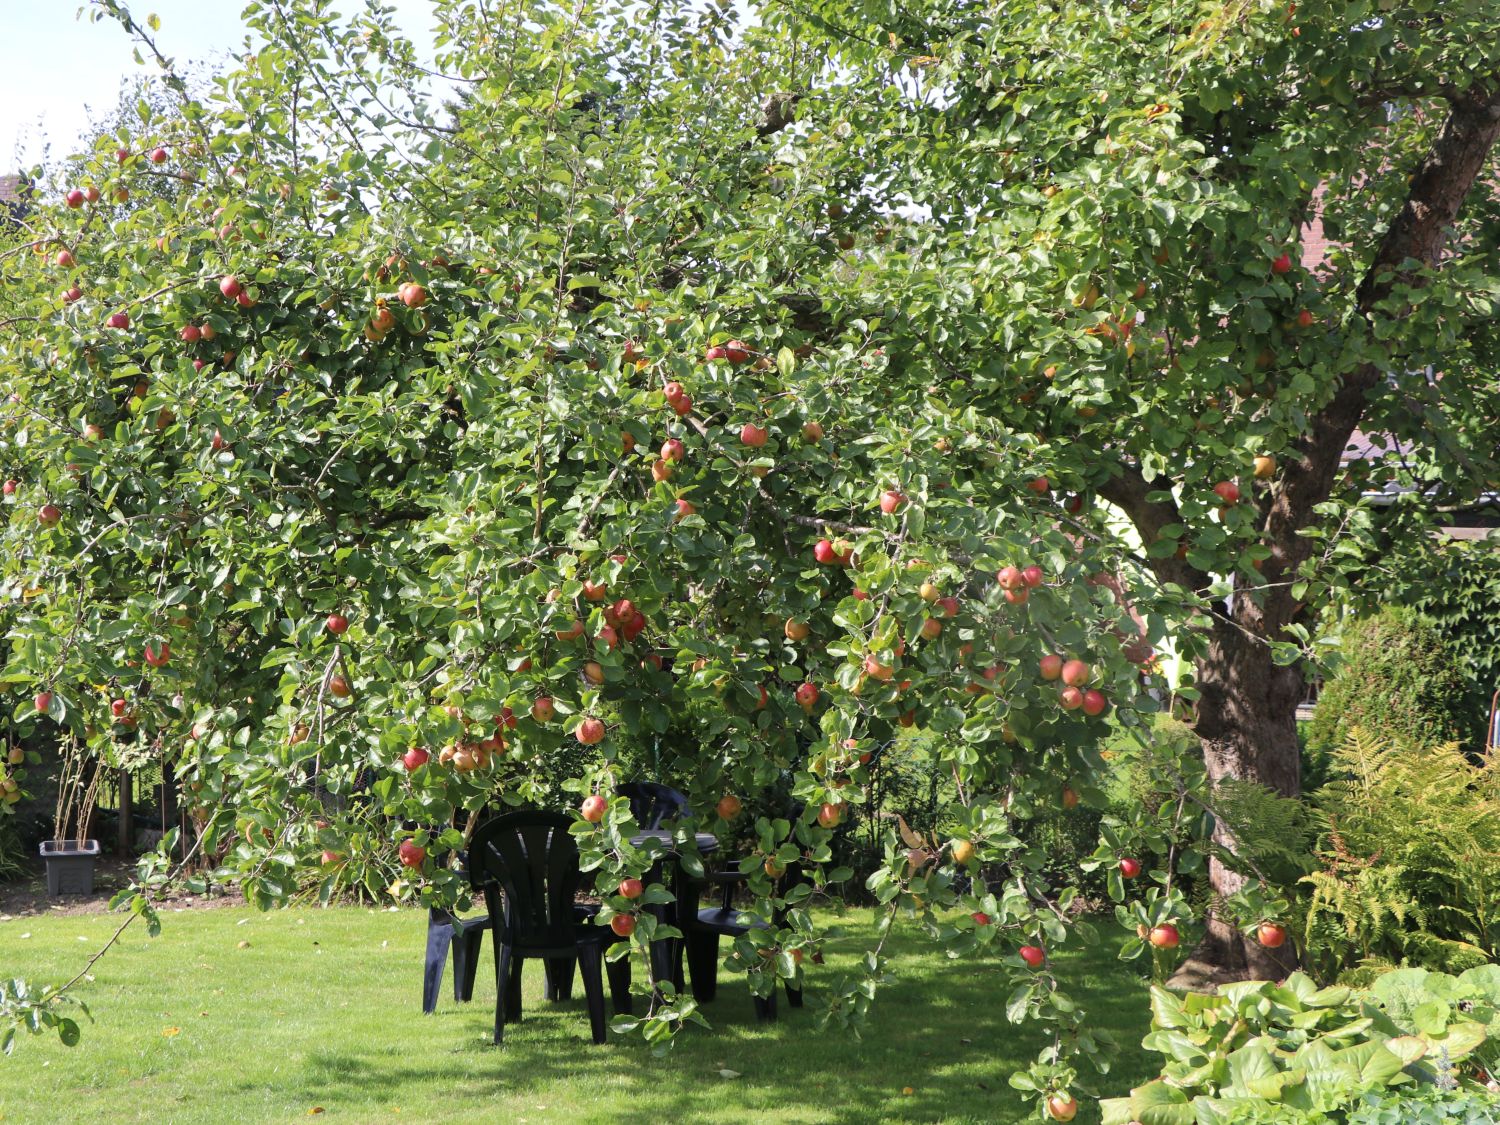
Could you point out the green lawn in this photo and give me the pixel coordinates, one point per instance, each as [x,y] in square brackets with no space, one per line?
[322,1009]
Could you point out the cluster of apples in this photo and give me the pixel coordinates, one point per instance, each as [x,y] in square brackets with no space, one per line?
[10,785]
[1074,674]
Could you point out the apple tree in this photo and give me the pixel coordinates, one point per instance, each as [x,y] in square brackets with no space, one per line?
[456,428]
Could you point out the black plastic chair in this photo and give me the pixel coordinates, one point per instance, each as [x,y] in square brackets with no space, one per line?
[466,938]
[653,804]
[703,926]
[527,865]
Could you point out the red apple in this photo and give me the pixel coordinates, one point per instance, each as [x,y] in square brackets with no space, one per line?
[49,515]
[415,757]
[158,657]
[1304,319]
[1130,868]
[1227,491]
[230,286]
[890,500]
[594,591]
[623,924]
[74,199]
[752,435]
[672,450]
[118,708]
[412,295]
[1032,955]
[65,259]
[812,432]
[589,731]
[829,814]
[1018,597]
[932,628]
[714,353]
[191,333]
[91,193]
[158,156]
[1070,698]
[118,320]
[1062,1107]
[683,406]
[411,855]
[244,300]
[823,551]
[728,807]
[685,508]
[876,670]
[9,488]
[1075,673]
[1094,702]
[1039,485]
[980,918]
[593,808]
[1282,264]
[631,888]
[1051,666]
[806,695]
[73,295]
[1164,936]
[1033,576]
[736,351]
[542,709]
[43,701]
[122,155]
[1272,935]
[337,624]
[948,606]
[673,391]
[859,595]
[1010,578]
[338,687]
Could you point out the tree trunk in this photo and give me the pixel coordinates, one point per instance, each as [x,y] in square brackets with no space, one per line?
[1247,711]
[1247,723]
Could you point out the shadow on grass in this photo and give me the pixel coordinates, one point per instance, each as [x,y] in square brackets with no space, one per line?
[938,1028]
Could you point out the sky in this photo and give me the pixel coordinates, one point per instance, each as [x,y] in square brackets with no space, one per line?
[55,67]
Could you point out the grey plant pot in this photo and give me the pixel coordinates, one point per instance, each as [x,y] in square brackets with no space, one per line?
[70,868]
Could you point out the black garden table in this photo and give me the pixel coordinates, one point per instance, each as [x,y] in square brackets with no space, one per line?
[664,954]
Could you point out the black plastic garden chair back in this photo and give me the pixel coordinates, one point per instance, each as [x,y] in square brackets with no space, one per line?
[653,804]
[533,861]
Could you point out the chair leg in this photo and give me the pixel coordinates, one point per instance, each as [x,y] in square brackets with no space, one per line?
[703,966]
[502,974]
[679,954]
[619,985]
[473,942]
[765,1009]
[439,937]
[560,978]
[513,990]
[590,968]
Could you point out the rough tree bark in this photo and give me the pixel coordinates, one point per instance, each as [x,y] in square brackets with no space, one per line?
[1246,716]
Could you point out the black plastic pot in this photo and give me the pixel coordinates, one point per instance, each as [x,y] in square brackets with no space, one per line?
[70,867]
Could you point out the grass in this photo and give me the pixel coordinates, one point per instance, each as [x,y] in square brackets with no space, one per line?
[321,1011]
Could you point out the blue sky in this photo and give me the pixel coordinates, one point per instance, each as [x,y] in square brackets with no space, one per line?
[54,67]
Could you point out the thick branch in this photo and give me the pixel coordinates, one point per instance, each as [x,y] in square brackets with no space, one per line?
[1414,243]
[1130,491]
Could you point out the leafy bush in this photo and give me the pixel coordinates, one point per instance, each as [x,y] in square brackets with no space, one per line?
[1452,584]
[1396,676]
[1409,859]
[1428,1105]
[1263,1052]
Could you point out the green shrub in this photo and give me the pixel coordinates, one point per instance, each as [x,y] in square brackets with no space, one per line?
[1409,859]
[1257,1051]
[1396,677]
[1428,1105]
